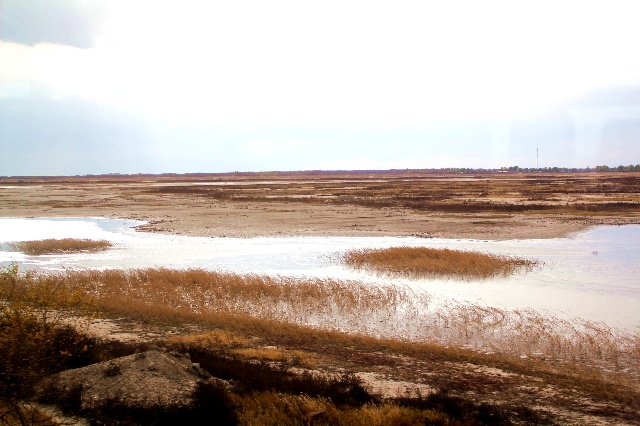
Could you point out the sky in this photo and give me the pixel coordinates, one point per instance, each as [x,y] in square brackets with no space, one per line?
[184,86]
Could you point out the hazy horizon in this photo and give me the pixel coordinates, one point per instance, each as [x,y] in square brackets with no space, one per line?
[99,86]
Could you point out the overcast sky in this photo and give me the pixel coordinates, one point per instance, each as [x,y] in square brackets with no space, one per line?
[134,86]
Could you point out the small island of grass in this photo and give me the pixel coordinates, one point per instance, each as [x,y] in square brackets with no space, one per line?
[422,262]
[60,246]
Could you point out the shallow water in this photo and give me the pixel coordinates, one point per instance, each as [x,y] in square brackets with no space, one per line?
[592,275]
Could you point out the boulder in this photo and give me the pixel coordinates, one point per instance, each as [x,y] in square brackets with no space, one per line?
[155,378]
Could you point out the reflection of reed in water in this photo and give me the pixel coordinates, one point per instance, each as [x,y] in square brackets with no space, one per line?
[384,311]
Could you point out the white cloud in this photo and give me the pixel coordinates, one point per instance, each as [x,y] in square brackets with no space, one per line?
[271,146]
[342,74]
[407,162]
[341,63]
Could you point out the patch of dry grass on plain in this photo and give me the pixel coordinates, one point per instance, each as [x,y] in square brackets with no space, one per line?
[268,408]
[60,246]
[243,347]
[423,262]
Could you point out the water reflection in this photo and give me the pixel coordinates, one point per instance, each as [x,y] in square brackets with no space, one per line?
[592,275]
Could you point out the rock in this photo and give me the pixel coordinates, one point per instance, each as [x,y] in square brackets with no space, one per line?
[111,369]
[154,378]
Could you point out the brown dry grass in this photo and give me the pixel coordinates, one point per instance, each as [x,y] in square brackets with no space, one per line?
[24,414]
[285,356]
[423,261]
[275,306]
[567,193]
[573,193]
[268,408]
[60,246]
[329,324]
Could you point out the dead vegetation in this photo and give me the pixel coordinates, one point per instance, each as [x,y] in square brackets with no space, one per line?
[289,365]
[509,193]
[34,340]
[60,246]
[379,311]
[251,393]
[392,203]
[420,262]
[141,388]
[519,193]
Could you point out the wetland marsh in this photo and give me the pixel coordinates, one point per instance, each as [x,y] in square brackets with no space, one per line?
[267,271]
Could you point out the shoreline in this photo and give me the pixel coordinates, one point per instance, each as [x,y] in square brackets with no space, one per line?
[434,226]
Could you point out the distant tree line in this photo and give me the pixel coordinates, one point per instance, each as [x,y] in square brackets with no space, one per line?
[621,168]
[629,168]
[446,170]
[262,175]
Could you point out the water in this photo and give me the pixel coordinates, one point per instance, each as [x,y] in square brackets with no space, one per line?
[592,275]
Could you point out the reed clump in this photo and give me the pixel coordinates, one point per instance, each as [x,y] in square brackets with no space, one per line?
[424,262]
[60,246]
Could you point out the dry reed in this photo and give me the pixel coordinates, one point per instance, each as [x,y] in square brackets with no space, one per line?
[60,246]
[370,324]
[257,304]
[424,262]
[269,408]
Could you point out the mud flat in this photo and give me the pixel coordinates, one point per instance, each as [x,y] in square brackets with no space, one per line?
[493,207]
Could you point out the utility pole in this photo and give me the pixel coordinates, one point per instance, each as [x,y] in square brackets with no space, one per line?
[537,160]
